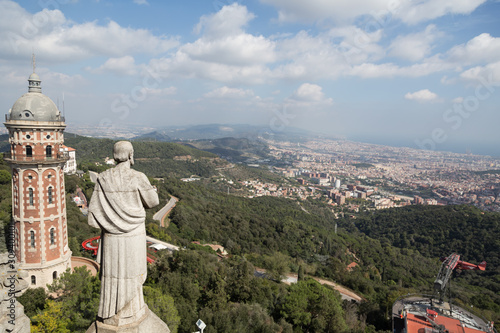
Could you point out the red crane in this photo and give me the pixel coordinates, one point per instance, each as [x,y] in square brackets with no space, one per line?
[447,267]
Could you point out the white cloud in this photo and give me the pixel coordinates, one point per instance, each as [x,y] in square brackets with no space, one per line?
[389,70]
[141,2]
[415,46]
[227,92]
[413,12]
[58,39]
[358,45]
[308,94]
[224,52]
[318,10]
[424,95]
[447,81]
[160,91]
[481,74]
[224,41]
[408,11]
[458,100]
[228,21]
[306,57]
[181,65]
[243,49]
[480,49]
[121,66]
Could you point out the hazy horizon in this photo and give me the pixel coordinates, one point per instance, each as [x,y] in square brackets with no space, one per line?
[419,74]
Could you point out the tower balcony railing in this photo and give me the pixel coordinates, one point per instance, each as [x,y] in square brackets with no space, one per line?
[60,118]
[56,157]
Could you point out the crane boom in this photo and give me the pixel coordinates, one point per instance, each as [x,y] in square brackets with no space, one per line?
[445,271]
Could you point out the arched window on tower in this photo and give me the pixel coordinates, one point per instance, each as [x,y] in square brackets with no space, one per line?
[29,151]
[52,236]
[54,275]
[48,151]
[32,238]
[51,199]
[33,280]
[31,196]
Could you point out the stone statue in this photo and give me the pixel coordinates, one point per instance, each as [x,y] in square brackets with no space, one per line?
[117,207]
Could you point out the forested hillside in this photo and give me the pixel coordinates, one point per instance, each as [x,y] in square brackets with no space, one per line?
[5,203]
[438,231]
[396,251]
[233,149]
[156,159]
[267,225]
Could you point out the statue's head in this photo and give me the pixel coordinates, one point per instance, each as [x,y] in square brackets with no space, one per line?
[123,151]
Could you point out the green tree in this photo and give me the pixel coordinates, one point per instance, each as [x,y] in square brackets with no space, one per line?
[78,293]
[33,301]
[51,320]
[276,265]
[311,307]
[163,306]
[4,177]
[249,318]
[300,275]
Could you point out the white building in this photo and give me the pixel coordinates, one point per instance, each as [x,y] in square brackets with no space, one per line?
[70,166]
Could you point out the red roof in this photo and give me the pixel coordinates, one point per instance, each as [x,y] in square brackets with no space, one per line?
[68,148]
[351,266]
[415,323]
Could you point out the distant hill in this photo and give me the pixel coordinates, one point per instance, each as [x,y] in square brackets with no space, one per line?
[218,131]
[233,149]
[153,136]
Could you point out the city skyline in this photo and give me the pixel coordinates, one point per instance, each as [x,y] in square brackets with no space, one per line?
[421,74]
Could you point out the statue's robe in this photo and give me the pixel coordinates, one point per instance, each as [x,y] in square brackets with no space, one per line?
[117,207]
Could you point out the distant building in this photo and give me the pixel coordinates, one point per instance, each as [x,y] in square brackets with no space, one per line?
[320,181]
[70,166]
[337,183]
[183,158]
[361,195]
[109,161]
[190,179]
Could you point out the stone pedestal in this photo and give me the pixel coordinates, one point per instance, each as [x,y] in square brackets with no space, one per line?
[15,322]
[149,323]
[12,284]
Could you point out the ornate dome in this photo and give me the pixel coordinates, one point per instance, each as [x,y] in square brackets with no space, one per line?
[34,105]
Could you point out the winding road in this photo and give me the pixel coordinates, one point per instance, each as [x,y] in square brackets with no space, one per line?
[162,213]
[345,293]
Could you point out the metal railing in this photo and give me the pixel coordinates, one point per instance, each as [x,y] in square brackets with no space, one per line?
[61,156]
[60,118]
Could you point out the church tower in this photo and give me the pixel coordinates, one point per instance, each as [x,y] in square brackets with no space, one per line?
[36,136]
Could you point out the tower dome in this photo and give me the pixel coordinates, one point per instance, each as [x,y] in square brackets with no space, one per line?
[34,106]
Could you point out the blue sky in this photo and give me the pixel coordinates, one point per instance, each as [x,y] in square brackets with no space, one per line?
[402,72]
